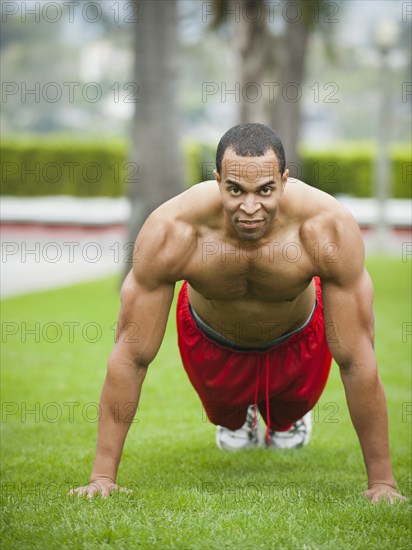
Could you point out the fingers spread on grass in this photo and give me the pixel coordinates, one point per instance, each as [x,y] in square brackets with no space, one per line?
[88,490]
[95,488]
[379,494]
[79,491]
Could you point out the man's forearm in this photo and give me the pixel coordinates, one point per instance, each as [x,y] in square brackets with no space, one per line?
[118,404]
[367,406]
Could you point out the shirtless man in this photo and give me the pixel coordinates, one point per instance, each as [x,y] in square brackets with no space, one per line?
[256,328]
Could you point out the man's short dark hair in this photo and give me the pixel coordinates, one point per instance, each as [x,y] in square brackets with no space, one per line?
[251,140]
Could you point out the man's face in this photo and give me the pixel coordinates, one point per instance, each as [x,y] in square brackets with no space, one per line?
[251,188]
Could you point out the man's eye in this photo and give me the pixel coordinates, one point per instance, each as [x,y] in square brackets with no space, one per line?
[266,191]
[234,191]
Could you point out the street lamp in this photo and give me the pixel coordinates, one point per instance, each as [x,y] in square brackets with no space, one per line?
[385,37]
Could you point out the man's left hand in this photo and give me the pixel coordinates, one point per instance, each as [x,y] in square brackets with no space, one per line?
[381,491]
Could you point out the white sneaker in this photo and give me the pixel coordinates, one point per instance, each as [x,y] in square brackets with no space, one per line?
[245,437]
[297,436]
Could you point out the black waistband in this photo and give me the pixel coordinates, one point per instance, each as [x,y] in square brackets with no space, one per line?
[223,341]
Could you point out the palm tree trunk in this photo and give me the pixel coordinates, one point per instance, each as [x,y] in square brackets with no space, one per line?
[155,139]
[249,43]
[285,114]
[278,61]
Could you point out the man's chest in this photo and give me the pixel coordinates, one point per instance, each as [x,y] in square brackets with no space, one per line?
[272,271]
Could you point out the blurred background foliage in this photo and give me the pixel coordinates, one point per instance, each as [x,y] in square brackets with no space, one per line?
[329,132]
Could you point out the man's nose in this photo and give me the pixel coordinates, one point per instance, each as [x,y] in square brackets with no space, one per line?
[250,205]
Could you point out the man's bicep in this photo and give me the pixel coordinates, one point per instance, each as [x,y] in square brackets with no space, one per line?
[348,312]
[142,320]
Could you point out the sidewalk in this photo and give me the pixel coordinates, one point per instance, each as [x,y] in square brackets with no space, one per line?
[51,242]
[398,212]
[65,210]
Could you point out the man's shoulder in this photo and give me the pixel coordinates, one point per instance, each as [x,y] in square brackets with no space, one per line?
[318,212]
[327,230]
[170,234]
[185,214]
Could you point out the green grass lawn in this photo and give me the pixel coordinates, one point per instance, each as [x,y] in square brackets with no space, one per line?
[186,493]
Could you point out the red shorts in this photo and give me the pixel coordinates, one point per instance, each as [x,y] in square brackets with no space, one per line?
[285,381]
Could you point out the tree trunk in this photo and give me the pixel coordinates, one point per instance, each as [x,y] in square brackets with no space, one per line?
[284,116]
[277,61]
[249,43]
[155,140]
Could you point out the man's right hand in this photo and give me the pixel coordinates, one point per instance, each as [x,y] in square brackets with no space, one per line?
[101,486]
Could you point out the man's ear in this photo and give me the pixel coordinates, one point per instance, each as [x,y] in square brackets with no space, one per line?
[285,177]
[217,175]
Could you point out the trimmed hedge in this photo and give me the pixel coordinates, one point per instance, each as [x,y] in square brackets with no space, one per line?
[350,171]
[402,173]
[31,168]
[82,169]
